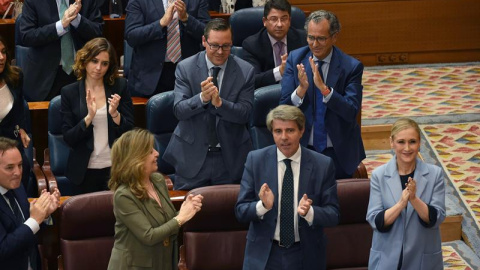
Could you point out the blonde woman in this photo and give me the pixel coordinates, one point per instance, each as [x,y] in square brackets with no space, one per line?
[147,223]
[407,206]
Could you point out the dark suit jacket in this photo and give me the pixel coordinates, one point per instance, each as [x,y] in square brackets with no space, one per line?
[317,180]
[149,40]
[16,243]
[16,115]
[345,77]
[188,146]
[78,136]
[37,31]
[258,51]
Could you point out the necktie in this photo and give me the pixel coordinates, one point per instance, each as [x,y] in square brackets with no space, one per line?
[174,50]
[279,51]
[319,131]
[287,230]
[212,120]
[16,210]
[66,42]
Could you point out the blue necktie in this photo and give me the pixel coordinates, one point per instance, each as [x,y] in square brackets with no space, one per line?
[287,230]
[212,130]
[319,131]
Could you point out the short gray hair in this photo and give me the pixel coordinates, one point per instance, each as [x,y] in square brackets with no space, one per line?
[320,15]
[286,113]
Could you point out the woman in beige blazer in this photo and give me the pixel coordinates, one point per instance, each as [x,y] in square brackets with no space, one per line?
[147,223]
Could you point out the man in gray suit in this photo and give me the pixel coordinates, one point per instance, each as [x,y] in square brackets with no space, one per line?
[213,101]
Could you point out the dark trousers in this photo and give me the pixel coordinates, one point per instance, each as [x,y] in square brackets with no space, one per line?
[61,79]
[339,172]
[95,180]
[213,172]
[285,258]
[165,83]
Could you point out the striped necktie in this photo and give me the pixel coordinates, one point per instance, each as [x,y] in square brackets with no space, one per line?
[174,50]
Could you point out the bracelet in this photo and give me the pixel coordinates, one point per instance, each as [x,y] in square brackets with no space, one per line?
[178,221]
[116,115]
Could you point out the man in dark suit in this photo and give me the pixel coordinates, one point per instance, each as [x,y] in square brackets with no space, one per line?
[54,30]
[288,194]
[330,96]
[147,30]
[213,101]
[19,221]
[268,49]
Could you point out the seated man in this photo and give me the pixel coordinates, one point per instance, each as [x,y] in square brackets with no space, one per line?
[213,101]
[268,49]
[54,32]
[288,194]
[19,220]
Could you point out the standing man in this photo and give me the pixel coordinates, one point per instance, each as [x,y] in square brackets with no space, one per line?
[161,34]
[213,101]
[54,30]
[19,221]
[326,84]
[288,194]
[268,49]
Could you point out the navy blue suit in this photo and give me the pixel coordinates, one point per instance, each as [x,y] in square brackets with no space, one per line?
[16,243]
[149,40]
[316,180]
[38,31]
[258,51]
[345,77]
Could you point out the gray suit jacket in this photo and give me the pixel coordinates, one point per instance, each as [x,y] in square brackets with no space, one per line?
[317,180]
[422,247]
[188,146]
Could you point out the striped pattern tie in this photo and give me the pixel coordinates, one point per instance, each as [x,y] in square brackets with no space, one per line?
[174,50]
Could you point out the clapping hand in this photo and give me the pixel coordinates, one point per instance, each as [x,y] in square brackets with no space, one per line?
[266,196]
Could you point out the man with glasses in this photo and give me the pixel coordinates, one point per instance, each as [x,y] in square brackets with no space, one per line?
[268,49]
[326,84]
[162,33]
[213,101]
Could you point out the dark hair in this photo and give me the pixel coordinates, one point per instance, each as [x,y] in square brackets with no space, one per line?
[320,15]
[217,24]
[7,144]
[282,5]
[89,51]
[11,74]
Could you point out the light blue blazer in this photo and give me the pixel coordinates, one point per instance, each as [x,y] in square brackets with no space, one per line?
[421,246]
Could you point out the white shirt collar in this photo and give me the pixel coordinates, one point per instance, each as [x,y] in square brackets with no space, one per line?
[294,158]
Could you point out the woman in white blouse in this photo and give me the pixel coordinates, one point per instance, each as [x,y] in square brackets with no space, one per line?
[96,110]
[12,119]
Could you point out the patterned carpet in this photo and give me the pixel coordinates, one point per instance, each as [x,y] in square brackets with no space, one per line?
[446,101]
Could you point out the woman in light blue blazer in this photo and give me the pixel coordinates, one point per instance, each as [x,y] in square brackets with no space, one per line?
[407,206]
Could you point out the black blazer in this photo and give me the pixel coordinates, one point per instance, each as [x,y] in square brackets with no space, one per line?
[258,51]
[37,31]
[16,243]
[16,115]
[78,136]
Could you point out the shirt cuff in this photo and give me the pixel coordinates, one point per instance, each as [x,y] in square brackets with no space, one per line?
[309,216]
[261,210]
[296,100]
[33,225]
[327,97]
[201,100]
[276,74]
[76,21]
[60,30]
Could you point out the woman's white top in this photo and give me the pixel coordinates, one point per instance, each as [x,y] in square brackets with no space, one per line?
[6,101]
[100,157]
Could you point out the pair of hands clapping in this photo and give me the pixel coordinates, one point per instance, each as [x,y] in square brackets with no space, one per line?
[71,13]
[113,102]
[409,192]
[267,197]
[210,93]
[177,6]
[317,79]
[191,205]
[44,205]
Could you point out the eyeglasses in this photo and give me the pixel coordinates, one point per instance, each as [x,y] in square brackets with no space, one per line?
[274,20]
[215,47]
[320,40]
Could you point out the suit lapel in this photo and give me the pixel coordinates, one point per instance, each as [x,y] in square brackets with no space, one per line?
[6,209]
[420,177]
[306,168]
[229,80]
[158,4]
[202,70]
[82,94]
[393,180]
[334,69]
[271,172]
[267,49]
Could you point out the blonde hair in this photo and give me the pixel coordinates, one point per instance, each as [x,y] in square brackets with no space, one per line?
[89,51]
[286,113]
[402,124]
[129,153]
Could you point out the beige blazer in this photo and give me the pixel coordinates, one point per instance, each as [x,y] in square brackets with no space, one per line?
[145,233]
